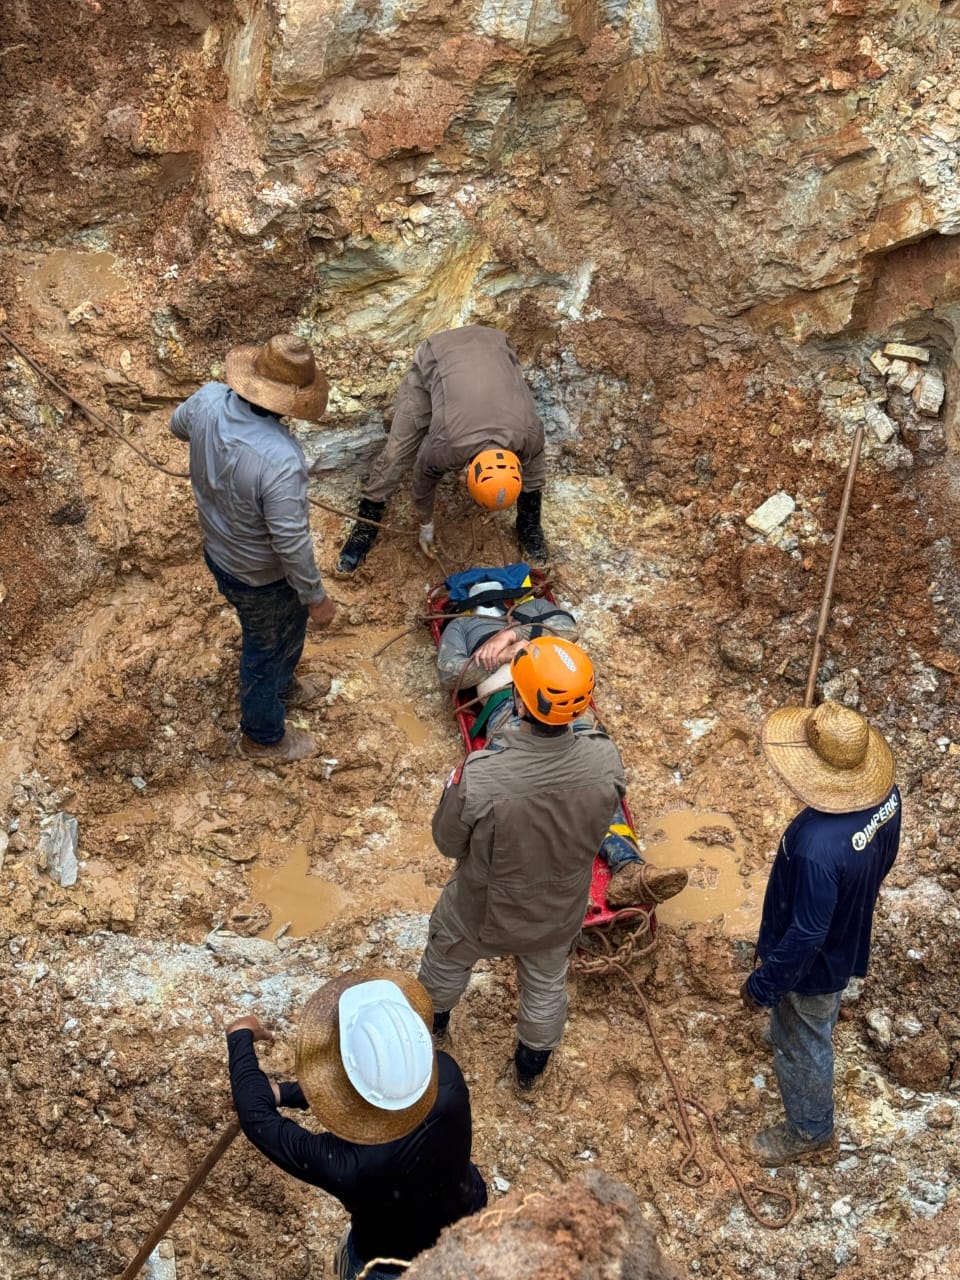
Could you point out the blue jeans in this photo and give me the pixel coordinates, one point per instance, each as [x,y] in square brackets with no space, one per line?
[349,1264]
[274,625]
[801,1032]
[617,850]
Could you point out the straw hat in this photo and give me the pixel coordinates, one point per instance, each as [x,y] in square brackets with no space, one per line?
[281,376]
[829,756]
[323,1077]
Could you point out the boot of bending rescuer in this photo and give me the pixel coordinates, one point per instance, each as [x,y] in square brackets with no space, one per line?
[530,536]
[362,537]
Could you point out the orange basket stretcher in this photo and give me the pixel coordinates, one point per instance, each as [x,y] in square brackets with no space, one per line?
[599,913]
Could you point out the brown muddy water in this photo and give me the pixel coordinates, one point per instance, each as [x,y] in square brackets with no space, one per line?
[712,849]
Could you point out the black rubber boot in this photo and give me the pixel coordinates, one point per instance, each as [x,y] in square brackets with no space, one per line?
[362,537]
[530,1064]
[533,545]
[441,1024]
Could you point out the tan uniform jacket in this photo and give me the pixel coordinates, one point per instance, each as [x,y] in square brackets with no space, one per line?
[524,820]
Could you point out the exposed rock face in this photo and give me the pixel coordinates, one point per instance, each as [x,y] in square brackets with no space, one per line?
[588,1229]
[629,186]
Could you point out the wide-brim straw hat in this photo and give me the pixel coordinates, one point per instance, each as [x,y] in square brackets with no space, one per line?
[323,1078]
[281,376]
[829,756]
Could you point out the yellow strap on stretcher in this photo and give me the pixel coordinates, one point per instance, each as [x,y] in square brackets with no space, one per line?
[622,829]
[527,582]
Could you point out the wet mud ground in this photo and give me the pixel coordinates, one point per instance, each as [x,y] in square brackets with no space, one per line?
[118,706]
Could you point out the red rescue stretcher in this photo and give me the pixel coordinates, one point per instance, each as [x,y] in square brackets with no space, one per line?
[599,913]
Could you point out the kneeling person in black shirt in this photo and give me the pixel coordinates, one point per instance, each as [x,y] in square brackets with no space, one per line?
[397,1154]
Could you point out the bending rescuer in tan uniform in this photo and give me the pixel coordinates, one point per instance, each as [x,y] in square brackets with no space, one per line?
[463,406]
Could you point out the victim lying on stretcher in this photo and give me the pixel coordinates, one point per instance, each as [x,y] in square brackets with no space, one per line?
[474,652]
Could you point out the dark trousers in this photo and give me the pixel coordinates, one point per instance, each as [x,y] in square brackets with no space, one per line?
[274,625]
[348,1264]
[801,1032]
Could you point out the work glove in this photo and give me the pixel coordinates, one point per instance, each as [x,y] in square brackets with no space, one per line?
[427,534]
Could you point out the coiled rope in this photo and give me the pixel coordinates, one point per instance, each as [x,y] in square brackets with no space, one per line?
[690,1170]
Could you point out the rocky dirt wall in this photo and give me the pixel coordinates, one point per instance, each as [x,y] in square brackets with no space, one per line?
[701,224]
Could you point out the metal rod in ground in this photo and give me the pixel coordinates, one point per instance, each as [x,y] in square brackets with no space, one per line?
[824,619]
[191,1187]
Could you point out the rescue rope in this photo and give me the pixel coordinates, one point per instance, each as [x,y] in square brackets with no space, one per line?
[538,588]
[493,1218]
[387,528]
[152,462]
[477,1223]
[91,413]
[498,532]
[690,1170]
[382,1262]
[506,622]
[589,959]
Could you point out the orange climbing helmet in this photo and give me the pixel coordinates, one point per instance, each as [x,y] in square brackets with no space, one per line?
[554,679]
[494,478]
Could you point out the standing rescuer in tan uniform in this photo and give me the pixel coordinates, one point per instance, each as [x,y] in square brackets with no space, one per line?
[463,406]
[524,818]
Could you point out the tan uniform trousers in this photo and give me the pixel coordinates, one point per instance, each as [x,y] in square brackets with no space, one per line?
[413,411]
[448,963]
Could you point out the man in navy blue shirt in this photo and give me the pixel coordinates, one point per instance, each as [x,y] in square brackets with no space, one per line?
[818,908]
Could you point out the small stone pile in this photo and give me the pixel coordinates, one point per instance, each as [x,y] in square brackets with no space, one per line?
[907,369]
[898,389]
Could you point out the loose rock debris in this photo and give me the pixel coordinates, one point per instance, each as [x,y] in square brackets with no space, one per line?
[563,198]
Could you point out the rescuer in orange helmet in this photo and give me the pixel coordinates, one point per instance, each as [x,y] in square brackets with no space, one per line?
[553,679]
[463,406]
[524,818]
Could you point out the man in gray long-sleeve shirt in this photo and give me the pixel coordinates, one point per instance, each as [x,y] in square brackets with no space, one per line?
[249,478]
[463,398]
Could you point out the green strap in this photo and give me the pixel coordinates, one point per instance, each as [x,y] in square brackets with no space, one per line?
[495,700]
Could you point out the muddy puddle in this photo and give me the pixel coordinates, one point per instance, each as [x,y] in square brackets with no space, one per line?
[306,902]
[712,849]
[408,722]
[70,277]
[361,673]
[309,903]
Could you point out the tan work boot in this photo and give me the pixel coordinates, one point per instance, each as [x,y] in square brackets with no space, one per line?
[296,744]
[642,884]
[781,1144]
[305,693]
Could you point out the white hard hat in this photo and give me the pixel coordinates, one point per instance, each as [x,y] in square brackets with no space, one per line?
[487,610]
[385,1047]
